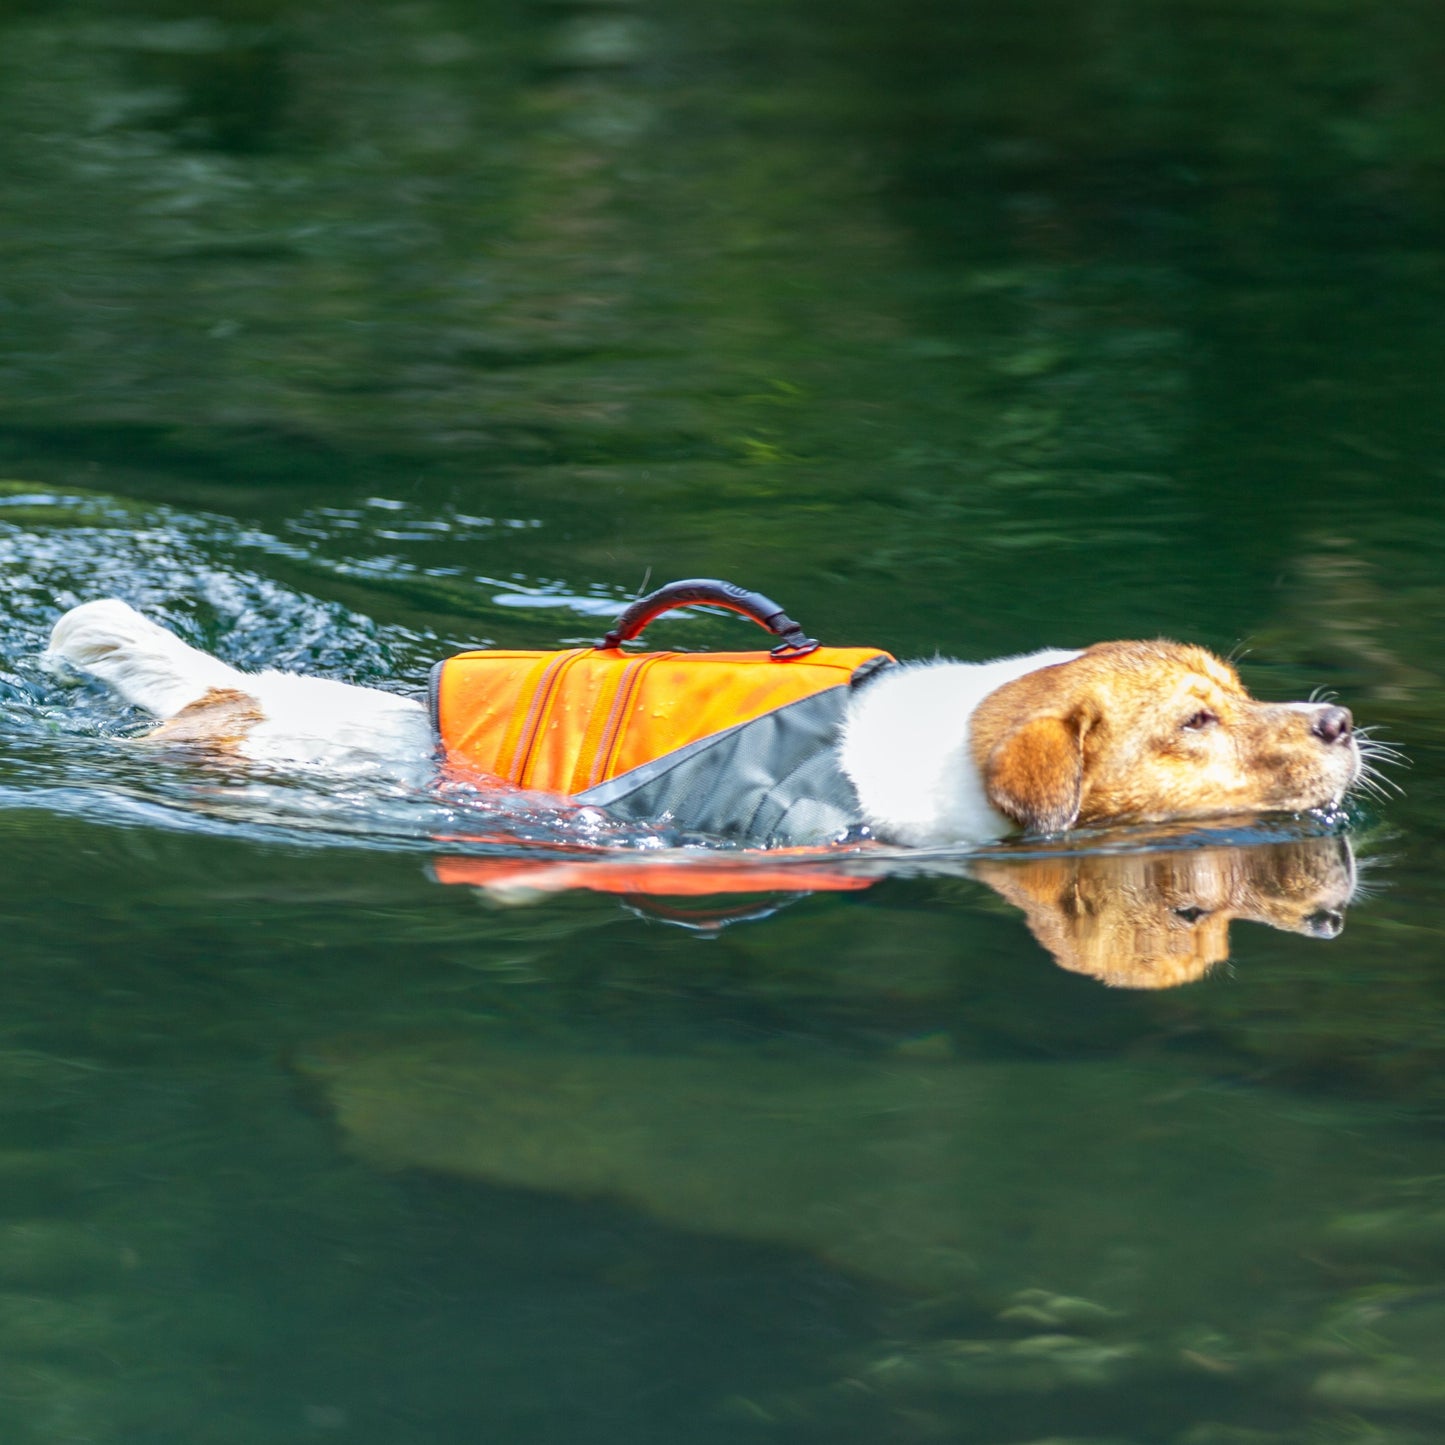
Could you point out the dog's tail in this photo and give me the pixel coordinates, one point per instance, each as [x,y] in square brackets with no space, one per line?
[143,662]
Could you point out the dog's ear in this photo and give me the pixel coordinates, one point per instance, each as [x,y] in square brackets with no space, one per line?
[1036,774]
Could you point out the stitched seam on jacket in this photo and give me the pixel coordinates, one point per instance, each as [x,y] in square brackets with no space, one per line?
[599,727]
[516,729]
[511,761]
[434,703]
[619,723]
[551,688]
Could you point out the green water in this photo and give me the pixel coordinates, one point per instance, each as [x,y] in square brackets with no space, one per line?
[341,335]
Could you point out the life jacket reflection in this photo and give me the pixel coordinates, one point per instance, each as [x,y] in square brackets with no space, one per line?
[738,744]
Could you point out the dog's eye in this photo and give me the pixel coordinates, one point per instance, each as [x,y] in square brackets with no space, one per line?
[1191,913]
[1201,720]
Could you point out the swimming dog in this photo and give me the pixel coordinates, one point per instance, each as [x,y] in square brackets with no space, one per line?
[934,753]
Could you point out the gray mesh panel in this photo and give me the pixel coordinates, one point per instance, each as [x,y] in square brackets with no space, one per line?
[771,782]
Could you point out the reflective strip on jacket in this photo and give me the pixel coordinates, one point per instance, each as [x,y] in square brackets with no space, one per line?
[737,745]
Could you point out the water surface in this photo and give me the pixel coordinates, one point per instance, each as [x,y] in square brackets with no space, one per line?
[338,337]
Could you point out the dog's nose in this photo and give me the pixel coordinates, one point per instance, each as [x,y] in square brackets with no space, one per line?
[1325,923]
[1332,724]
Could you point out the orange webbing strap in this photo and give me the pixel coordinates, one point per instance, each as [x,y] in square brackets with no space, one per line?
[530,761]
[631,708]
[606,725]
[564,722]
[521,728]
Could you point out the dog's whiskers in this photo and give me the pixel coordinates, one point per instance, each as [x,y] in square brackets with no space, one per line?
[1372,781]
[1376,751]
[1368,738]
[1368,730]
[1374,762]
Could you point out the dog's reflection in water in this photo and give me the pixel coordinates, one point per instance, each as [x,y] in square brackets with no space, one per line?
[1150,918]
[1158,919]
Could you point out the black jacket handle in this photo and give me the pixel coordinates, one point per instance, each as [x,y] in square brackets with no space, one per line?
[763,610]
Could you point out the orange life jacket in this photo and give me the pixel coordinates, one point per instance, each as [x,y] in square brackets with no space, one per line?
[564,722]
[723,744]
[732,744]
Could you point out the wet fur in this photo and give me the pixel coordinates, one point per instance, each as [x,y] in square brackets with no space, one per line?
[219,720]
[1106,738]
[949,752]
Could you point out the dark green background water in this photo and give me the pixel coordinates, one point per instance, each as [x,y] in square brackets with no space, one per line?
[340,334]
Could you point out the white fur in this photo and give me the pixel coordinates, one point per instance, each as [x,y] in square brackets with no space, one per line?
[310,721]
[338,726]
[905,748]
[146,664]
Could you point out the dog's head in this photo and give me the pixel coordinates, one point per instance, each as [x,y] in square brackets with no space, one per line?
[1149,731]
[1157,919]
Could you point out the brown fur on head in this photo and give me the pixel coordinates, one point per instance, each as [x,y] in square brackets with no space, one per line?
[1154,920]
[1148,731]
